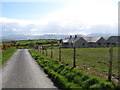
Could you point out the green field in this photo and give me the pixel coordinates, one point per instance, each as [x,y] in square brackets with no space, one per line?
[32,43]
[39,41]
[96,59]
[59,44]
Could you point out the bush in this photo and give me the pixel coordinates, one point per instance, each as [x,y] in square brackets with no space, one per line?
[90,82]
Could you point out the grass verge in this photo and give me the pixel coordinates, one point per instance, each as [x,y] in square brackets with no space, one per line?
[68,77]
[7,54]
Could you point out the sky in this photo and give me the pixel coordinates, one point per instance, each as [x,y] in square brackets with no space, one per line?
[59,17]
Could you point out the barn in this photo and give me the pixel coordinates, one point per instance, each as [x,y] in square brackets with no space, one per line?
[83,42]
[74,42]
[114,40]
[95,41]
[68,42]
[65,43]
[80,42]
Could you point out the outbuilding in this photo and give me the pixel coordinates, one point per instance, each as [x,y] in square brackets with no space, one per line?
[113,40]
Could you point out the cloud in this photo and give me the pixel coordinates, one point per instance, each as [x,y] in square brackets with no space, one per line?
[78,17]
[14,28]
[89,12]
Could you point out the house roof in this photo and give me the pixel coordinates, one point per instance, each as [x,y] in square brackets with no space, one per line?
[65,40]
[91,39]
[71,40]
[87,39]
[78,39]
[114,39]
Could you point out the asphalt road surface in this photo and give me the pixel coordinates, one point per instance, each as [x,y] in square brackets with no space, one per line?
[22,71]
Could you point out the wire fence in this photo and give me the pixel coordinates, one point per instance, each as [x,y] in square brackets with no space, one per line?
[92,59]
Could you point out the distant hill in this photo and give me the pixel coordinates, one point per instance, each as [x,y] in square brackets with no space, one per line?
[50,36]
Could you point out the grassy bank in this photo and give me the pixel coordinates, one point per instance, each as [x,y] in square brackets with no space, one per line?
[68,77]
[6,54]
[0,59]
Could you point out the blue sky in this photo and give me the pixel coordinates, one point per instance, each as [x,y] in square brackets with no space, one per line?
[62,17]
[29,10]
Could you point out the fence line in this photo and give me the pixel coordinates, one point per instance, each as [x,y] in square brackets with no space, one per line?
[60,56]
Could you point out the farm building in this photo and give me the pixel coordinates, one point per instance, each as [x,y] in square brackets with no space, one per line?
[80,42]
[84,42]
[114,40]
[95,41]
[67,43]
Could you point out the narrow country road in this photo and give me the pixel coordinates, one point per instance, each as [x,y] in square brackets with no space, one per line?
[22,71]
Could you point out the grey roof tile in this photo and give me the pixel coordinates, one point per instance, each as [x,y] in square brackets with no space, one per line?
[91,39]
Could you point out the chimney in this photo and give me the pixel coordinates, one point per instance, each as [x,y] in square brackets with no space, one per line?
[70,36]
[75,36]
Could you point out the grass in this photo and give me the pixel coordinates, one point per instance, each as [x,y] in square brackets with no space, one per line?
[6,54]
[32,43]
[59,44]
[93,58]
[39,41]
[0,59]
[69,77]
[22,47]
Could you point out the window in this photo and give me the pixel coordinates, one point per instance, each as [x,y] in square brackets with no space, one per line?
[99,43]
[83,44]
[71,44]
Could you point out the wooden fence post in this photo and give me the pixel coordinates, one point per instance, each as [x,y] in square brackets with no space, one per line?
[43,51]
[51,51]
[110,62]
[118,73]
[74,59]
[40,50]
[37,46]
[46,51]
[118,67]
[59,53]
